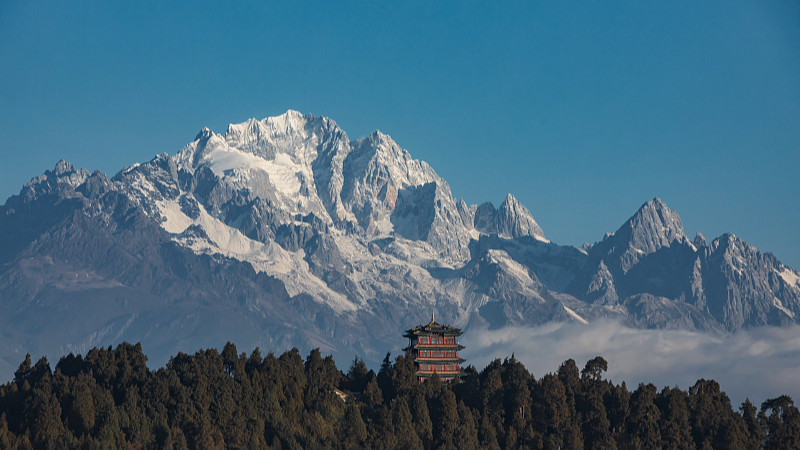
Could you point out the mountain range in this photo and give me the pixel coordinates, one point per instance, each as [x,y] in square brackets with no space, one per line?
[283,232]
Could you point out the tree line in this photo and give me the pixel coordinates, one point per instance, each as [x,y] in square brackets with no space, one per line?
[109,399]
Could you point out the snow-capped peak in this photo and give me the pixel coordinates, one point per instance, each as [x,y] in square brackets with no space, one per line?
[203,134]
[652,227]
[515,220]
[280,134]
[511,220]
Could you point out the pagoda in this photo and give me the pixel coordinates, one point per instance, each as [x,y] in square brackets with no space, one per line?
[434,348]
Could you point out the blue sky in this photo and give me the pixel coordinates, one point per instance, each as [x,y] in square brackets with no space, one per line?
[583,111]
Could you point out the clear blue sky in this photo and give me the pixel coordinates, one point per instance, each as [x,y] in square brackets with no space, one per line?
[583,111]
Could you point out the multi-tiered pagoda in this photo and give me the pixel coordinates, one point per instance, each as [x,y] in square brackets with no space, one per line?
[434,348]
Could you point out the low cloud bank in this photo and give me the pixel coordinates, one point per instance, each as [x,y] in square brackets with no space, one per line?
[759,363]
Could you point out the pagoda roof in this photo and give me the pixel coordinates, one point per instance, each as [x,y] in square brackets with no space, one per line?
[433,328]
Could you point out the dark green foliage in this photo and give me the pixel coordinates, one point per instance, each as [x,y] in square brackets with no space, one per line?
[594,369]
[781,420]
[407,437]
[595,425]
[676,433]
[643,419]
[211,400]
[713,421]
[755,433]
[420,417]
[372,394]
[466,436]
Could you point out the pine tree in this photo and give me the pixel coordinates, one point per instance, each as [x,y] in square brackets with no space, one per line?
[385,378]
[569,376]
[594,422]
[674,422]
[466,436]
[421,418]
[516,393]
[380,429]
[372,393]
[487,434]
[594,369]
[354,432]
[713,421]
[404,427]
[555,414]
[24,370]
[782,420]
[617,401]
[755,433]
[492,399]
[573,439]
[404,375]
[445,419]
[643,421]
[322,377]
[356,375]
[81,416]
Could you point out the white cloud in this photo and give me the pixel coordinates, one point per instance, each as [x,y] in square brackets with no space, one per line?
[759,363]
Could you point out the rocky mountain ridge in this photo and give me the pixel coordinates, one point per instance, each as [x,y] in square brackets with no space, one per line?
[282,232]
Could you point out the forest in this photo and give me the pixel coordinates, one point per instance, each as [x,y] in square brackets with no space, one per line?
[109,399]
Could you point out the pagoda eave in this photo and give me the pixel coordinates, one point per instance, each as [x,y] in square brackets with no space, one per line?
[435,347]
[440,360]
[441,374]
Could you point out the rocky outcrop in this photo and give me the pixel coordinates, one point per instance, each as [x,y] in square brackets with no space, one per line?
[650,257]
[511,220]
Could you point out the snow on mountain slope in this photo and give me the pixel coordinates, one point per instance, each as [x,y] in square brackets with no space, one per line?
[307,165]
[511,220]
[530,287]
[791,277]
[650,267]
[338,220]
[211,236]
[384,216]
[248,149]
[389,217]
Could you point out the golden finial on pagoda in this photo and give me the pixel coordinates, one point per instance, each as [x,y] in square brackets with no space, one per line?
[433,316]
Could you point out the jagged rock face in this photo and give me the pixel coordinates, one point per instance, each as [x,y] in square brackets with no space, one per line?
[282,232]
[429,213]
[303,165]
[555,266]
[699,240]
[514,220]
[729,280]
[747,288]
[377,170]
[467,214]
[648,311]
[601,288]
[511,220]
[654,226]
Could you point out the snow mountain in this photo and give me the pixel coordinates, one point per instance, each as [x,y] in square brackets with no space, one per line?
[283,232]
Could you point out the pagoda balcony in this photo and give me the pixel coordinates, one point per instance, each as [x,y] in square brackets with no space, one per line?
[441,373]
[434,346]
[433,360]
